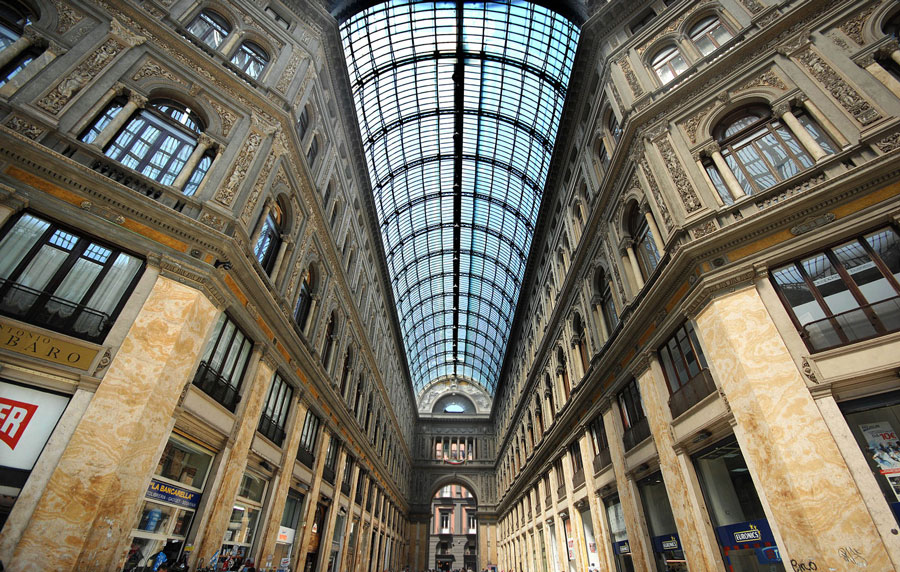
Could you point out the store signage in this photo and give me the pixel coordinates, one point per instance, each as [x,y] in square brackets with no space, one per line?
[883,446]
[172,494]
[27,418]
[750,532]
[622,547]
[31,343]
[666,542]
[570,544]
[285,535]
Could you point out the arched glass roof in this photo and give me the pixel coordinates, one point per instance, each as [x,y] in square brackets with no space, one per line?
[458,105]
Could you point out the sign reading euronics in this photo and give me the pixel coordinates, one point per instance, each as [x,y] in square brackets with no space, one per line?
[31,343]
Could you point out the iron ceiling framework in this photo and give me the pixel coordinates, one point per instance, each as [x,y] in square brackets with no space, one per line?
[458,106]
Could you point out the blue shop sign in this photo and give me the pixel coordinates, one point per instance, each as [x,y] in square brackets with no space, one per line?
[750,532]
[666,542]
[622,547]
[172,494]
[768,555]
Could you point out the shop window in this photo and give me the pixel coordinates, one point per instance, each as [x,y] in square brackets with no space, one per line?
[241,530]
[305,299]
[308,437]
[290,522]
[224,363]
[268,243]
[874,422]
[668,63]
[251,59]
[685,369]
[169,506]
[846,293]
[667,549]
[742,531]
[275,413]
[621,549]
[59,279]
[759,150]
[157,141]
[633,419]
[210,28]
[709,34]
[331,457]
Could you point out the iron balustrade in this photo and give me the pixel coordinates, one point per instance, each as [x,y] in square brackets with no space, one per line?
[305,457]
[270,429]
[328,474]
[863,323]
[636,433]
[691,393]
[42,309]
[216,386]
[602,460]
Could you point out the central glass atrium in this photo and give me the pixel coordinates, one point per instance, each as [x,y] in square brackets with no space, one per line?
[458,106]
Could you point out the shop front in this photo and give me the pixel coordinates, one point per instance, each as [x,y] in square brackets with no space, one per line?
[245,513]
[621,549]
[315,538]
[169,505]
[667,550]
[287,532]
[334,557]
[590,541]
[874,422]
[554,551]
[742,530]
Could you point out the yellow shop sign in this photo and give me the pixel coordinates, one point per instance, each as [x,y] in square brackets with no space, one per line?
[27,342]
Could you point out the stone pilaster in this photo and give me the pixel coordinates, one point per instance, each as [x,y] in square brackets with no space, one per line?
[312,501]
[94,494]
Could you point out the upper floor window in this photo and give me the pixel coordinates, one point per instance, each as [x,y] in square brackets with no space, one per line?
[598,435]
[644,242]
[709,34]
[308,436]
[668,63]
[210,28]
[313,151]
[269,240]
[641,21]
[157,141]
[759,149]
[274,417]
[846,293]
[330,333]
[224,363]
[13,19]
[251,59]
[279,19]
[607,305]
[682,357]
[58,279]
[303,123]
[304,301]
[612,125]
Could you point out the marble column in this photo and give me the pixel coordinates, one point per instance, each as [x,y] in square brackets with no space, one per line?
[246,422]
[814,505]
[204,142]
[93,496]
[281,485]
[135,101]
[806,140]
[697,538]
[731,183]
[344,564]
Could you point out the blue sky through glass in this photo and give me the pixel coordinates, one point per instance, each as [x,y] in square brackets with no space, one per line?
[457,215]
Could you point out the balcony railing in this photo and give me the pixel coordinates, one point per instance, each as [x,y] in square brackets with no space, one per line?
[271,430]
[328,474]
[146,186]
[216,386]
[636,433]
[602,460]
[578,478]
[305,457]
[345,488]
[46,311]
[561,491]
[691,393]
[854,325]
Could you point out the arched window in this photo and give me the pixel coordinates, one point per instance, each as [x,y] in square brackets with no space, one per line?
[328,345]
[269,240]
[548,392]
[607,305]
[579,340]
[612,125]
[251,59]
[563,372]
[313,151]
[668,63]
[303,123]
[13,19]
[891,26]
[345,371]
[304,301]
[644,244]
[210,28]
[157,141]
[709,34]
[539,415]
[759,149]
[602,153]
[358,398]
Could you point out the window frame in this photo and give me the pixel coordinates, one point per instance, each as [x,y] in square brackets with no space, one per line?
[212,349]
[662,60]
[253,53]
[210,17]
[276,410]
[699,30]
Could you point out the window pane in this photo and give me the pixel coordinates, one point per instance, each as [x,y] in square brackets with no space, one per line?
[795,290]
[872,283]
[884,242]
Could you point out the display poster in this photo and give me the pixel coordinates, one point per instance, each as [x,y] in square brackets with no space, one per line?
[27,419]
[570,544]
[884,447]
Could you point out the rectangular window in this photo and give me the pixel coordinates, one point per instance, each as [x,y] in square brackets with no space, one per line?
[598,434]
[846,293]
[331,456]
[55,278]
[307,451]
[575,457]
[224,363]
[630,404]
[275,413]
[682,357]
[279,19]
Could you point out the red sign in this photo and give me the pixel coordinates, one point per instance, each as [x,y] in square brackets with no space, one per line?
[14,418]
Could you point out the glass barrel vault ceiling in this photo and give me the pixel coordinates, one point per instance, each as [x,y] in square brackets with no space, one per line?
[457,212]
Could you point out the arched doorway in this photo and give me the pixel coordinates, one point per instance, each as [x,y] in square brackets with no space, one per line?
[453,531]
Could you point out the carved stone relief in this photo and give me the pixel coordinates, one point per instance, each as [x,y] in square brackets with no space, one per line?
[151,68]
[753,6]
[89,68]
[845,95]
[660,201]
[288,76]
[630,77]
[227,191]
[258,187]
[68,16]
[767,78]
[853,25]
[888,143]
[25,127]
[682,184]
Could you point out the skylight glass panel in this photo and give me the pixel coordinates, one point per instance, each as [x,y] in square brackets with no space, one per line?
[459,105]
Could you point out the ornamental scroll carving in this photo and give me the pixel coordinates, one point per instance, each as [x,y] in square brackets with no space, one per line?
[239,169]
[289,72]
[25,127]
[152,68]
[768,79]
[654,188]
[68,16]
[228,118]
[88,69]
[852,27]
[632,79]
[682,184]
[753,6]
[258,188]
[888,143]
[845,95]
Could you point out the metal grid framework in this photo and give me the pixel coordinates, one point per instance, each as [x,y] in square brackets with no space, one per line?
[458,105]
